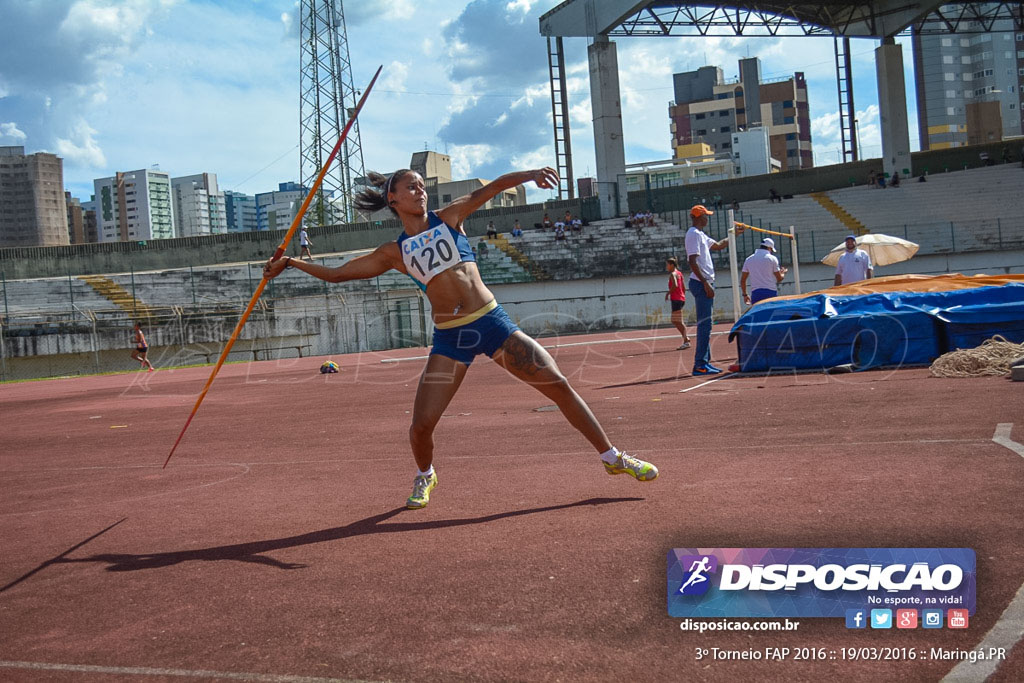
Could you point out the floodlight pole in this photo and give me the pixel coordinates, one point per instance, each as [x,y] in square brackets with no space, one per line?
[796,259]
[733,267]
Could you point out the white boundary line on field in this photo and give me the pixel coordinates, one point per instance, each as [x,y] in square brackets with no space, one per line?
[1009,628]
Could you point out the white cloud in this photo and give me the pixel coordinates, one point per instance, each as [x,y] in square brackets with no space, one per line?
[81,149]
[466,157]
[394,75]
[10,130]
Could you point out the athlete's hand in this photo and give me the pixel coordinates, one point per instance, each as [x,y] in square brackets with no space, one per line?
[746,299]
[709,290]
[546,177]
[274,268]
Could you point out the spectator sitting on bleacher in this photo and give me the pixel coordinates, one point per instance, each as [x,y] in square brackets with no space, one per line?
[559,231]
[481,248]
[577,224]
[895,179]
[872,180]
[773,196]
[567,221]
[649,218]
[517,230]
[491,230]
[546,223]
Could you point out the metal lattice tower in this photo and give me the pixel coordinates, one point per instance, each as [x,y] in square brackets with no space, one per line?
[327,97]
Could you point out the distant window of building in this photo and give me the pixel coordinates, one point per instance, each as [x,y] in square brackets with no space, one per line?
[947,42]
[786,104]
[699,117]
[791,152]
[739,91]
[951,94]
[950,111]
[947,59]
[741,110]
[726,145]
[446,198]
[791,136]
[728,129]
[949,76]
[723,96]
[1020,37]
[702,132]
[788,119]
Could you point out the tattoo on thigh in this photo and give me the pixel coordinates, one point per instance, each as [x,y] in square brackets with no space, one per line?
[522,356]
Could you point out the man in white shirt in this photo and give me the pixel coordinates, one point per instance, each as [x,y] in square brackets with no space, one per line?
[305,243]
[699,246]
[854,265]
[764,272]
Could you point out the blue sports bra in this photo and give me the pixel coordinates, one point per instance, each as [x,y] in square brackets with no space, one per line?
[434,250]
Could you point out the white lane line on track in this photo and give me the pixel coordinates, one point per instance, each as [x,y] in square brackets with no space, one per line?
[1009,628]
[181,673]
[1002,437]
[562,346]
[1005,634]
[702,384]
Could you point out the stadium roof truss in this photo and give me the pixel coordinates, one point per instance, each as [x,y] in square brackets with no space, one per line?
[877,19]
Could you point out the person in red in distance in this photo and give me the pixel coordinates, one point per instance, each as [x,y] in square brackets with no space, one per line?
[434,251]
[676,294]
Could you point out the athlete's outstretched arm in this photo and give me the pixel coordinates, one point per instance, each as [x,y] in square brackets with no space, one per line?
[379,261]
[456,212]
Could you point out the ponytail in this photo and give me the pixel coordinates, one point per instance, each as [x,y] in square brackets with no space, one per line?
[371,200]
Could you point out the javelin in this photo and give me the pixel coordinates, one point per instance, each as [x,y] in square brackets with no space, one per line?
[277,254]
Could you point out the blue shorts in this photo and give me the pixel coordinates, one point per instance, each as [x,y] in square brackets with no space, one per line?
[485,333]
[761,295]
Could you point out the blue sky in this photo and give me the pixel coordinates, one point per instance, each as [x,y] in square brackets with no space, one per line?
[197,86]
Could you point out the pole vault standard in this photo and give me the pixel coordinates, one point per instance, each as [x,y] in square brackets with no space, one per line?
[734,274]
[277,254]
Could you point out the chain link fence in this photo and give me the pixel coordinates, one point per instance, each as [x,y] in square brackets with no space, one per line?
[79,341]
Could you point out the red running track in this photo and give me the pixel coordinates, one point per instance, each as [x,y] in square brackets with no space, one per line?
[275,545]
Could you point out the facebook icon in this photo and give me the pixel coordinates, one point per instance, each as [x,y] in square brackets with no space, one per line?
[856,618]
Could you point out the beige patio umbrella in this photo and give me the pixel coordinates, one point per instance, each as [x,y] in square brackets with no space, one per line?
[883,249]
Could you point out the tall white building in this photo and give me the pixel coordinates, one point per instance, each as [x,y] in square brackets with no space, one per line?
[275,210]
[969,86]
[199,207]
[751,152]
[135,205]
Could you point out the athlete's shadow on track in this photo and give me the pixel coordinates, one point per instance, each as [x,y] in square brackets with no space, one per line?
[254,552]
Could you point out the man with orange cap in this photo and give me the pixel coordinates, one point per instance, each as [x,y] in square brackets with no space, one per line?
[699,246]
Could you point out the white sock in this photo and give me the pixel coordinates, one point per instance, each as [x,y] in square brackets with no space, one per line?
[610,455]
[430,471]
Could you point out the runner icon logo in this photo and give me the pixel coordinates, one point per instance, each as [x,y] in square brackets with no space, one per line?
[695,581]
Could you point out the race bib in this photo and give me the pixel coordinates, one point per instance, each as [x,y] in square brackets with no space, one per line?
[431,252]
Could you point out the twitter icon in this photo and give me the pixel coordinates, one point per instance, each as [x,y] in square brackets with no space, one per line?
[881,618]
